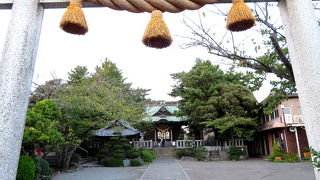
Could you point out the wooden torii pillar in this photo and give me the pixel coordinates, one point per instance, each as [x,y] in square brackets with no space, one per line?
[20,50]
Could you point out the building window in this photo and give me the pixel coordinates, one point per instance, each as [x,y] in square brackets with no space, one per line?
[262,119]
[272,115]
[299,112]
[287,110]
[266,117]
[276,113]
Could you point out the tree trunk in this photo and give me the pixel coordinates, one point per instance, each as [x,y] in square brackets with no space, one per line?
[65,156]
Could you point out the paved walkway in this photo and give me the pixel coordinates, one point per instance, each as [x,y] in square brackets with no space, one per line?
[172,169]
[248,170]
[104,173]
[165,169]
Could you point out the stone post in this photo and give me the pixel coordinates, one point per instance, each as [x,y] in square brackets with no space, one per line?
[303,38]
[16,71]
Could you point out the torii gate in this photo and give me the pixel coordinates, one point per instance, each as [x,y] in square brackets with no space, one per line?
[20,50]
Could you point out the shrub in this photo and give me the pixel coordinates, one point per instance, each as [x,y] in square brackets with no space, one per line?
[118,146]
[114,138]
[135,162]
[291,157]
[133,154]
[201,153]
[119,156]
[181,153]
[119,151]
[271,157]
[113,162]
[124,140]
[43,170]
[102,153]
[235,153]
[26,168]
[146,156]
[276,149]
[151,152]
[75,158]
[127,146]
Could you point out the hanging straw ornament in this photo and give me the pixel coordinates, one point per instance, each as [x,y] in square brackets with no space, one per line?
[157,34]
[240,17]
[73,20]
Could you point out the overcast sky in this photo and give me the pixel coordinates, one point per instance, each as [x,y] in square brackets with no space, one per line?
[116,35]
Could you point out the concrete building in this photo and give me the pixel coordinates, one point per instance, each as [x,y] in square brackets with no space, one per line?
[285,125]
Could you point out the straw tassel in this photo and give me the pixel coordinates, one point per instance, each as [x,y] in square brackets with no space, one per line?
[157,34]
[240,17]
[73,20]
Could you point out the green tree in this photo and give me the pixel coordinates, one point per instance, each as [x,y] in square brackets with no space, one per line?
[268,52]
[78,74]
[210,97]
[42,126]
[91,101]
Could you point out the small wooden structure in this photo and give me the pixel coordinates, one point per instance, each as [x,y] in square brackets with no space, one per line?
[167,126]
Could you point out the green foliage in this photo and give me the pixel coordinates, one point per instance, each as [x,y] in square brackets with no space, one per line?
[315,158]
[113,162]
[133,154]
[271,54]
[147,156]
[144,126]
[75,158]
[291,157]
[119,155]
[201,153]
[235,153]
[87,101]
[271,157]
[123,139]
[135,162]
[208,94]
[42,125]
[26,168]
[276,149]
[78,74]
[126,146]
[117,147]
[180,153]
[43,170]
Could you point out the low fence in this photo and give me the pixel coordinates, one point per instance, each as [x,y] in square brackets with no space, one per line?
[180,144]
[142,144]
[188,143]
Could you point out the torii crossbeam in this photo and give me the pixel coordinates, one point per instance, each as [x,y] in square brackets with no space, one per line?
[20,50]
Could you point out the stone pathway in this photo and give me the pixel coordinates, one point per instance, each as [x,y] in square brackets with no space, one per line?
[173,169]
[165,169]
[104,173]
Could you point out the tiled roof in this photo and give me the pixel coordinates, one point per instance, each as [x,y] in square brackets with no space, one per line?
[123,127]
[153,109]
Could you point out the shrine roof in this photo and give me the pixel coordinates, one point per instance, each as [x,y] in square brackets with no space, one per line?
[119,126]
[163,110]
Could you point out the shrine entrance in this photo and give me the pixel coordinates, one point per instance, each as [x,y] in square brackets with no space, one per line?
[19,54]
